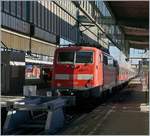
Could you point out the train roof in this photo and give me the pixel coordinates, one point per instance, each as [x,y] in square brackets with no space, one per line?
[82,46]
[76,48]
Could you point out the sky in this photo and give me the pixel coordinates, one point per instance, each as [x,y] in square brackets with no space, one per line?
[64,42]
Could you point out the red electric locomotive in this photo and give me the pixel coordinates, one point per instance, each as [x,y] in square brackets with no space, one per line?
[85,70]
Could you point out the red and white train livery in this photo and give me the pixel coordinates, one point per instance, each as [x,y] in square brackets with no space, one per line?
[88,70]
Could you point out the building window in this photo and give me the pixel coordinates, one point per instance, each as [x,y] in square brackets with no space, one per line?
[13,7]
[2,9]
[57,26]
[49,23]
[19,7]
[6,6]
[54,18]
[35,5]
[24,10]
[39,13]
[46,16]
[31,12]
[43,14]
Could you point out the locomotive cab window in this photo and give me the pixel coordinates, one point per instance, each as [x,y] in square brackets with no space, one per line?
[66,57]
[84,57]
[75,57]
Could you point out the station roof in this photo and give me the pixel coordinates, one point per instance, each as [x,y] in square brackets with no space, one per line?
[133,19]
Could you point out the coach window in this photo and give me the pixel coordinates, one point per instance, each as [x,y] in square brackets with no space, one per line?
[110,61]
[115,64]
[105,60]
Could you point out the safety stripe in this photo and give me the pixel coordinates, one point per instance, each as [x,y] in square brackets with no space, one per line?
[70,76]
[84,76]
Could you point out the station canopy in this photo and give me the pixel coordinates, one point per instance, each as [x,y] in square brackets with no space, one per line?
[133,19]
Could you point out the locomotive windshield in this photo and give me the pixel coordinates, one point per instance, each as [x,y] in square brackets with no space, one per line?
[66,57]
[84,57]
[75,57]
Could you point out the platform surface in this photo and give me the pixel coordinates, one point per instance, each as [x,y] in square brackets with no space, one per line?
[127,114]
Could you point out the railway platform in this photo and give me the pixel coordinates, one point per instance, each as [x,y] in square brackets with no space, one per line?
[127,113]
[25,115]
